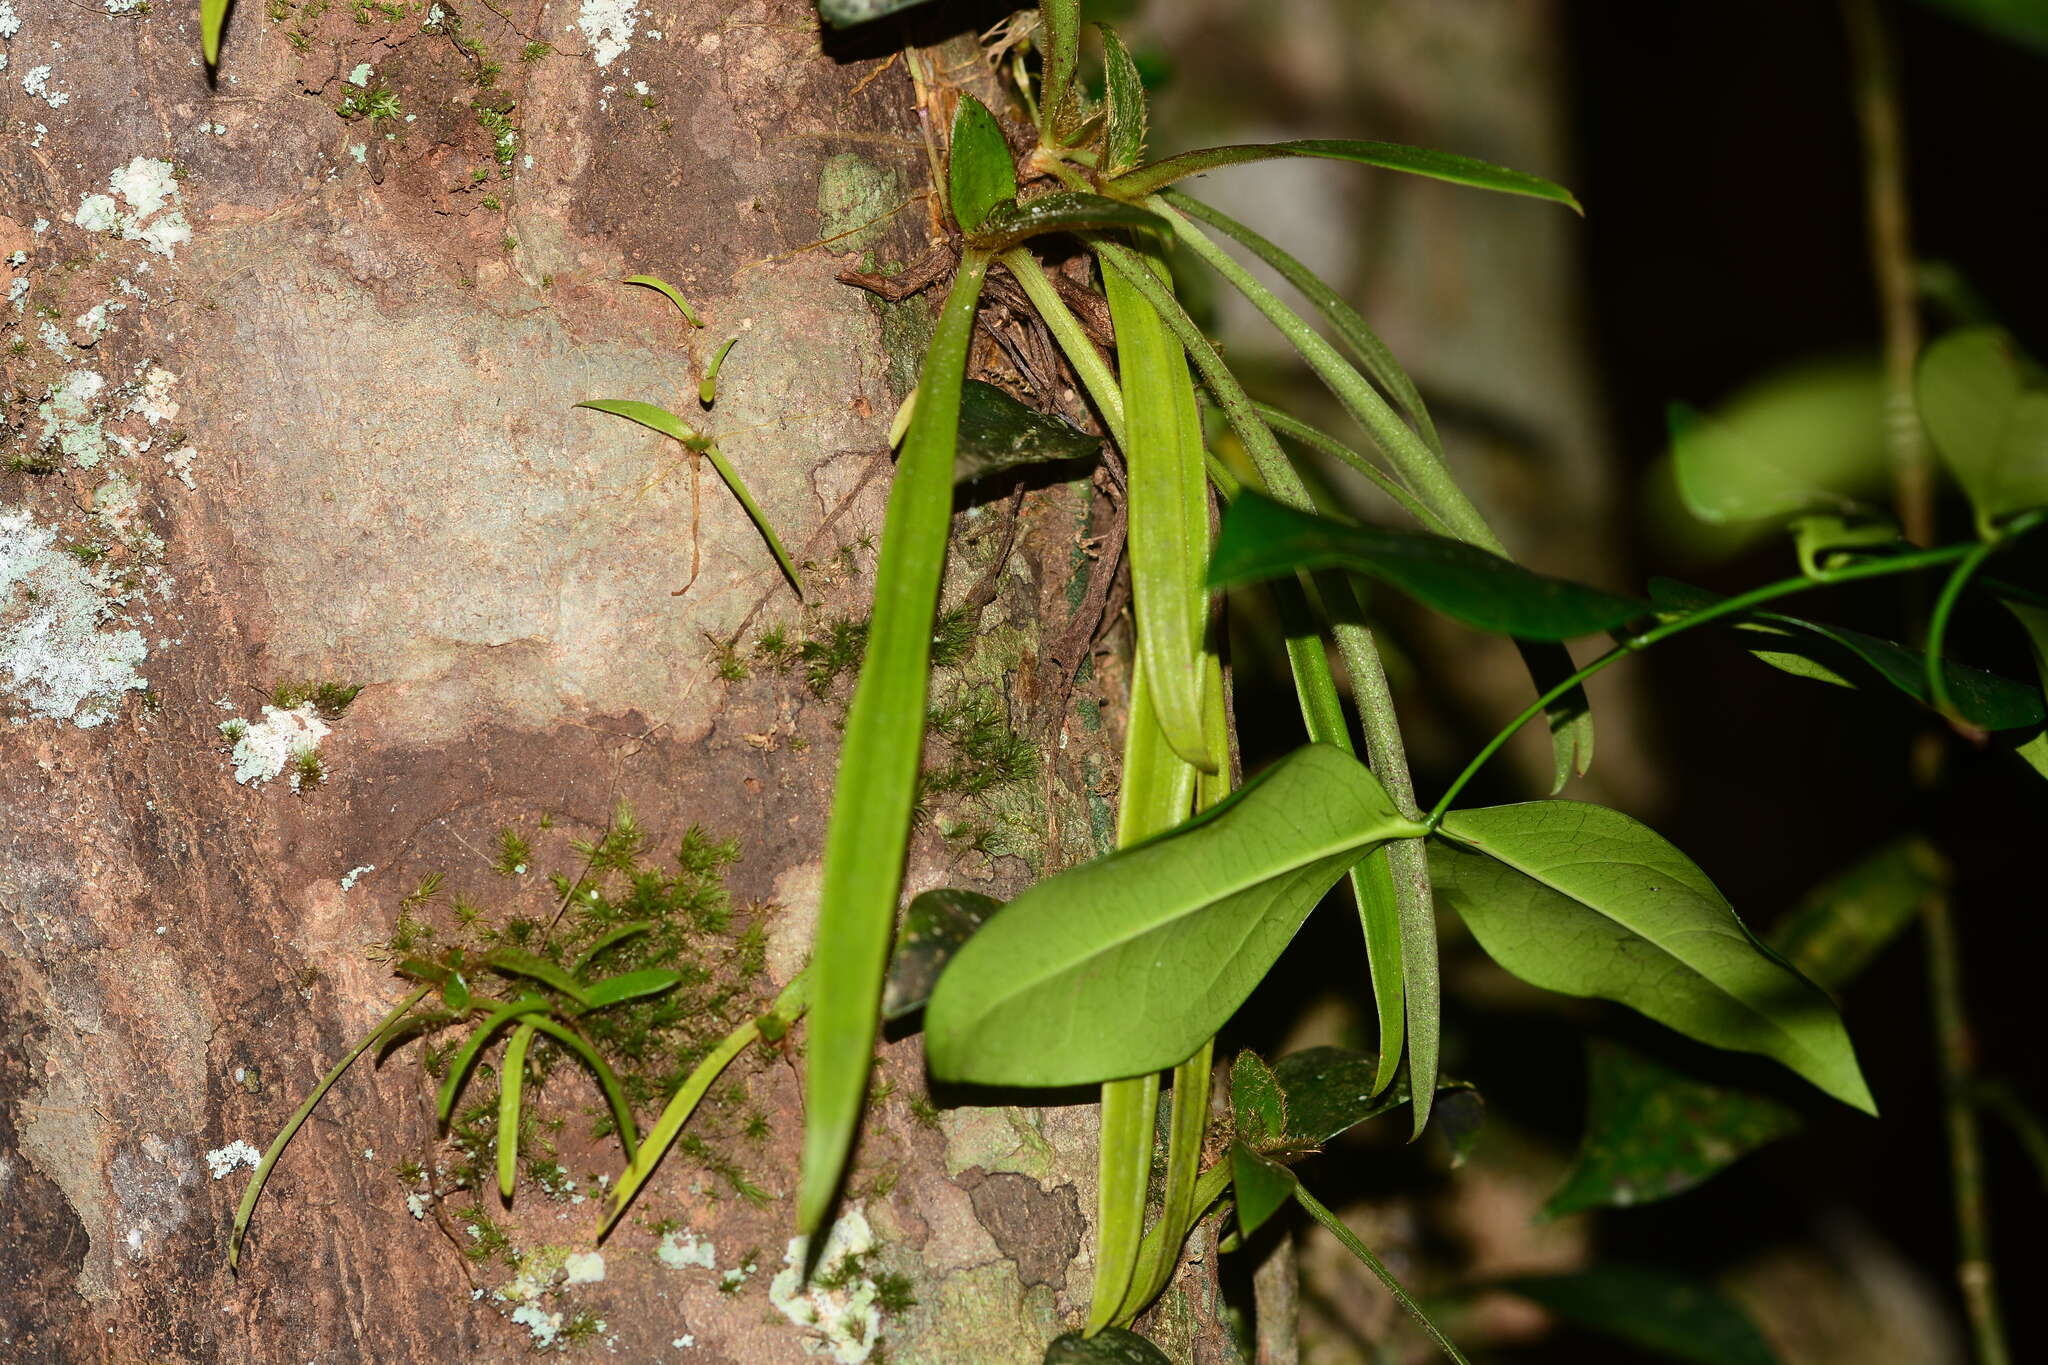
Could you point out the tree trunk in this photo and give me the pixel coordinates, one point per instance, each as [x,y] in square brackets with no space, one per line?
[304,412]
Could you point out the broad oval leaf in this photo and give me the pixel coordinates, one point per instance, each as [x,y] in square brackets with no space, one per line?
[1174,932]
[982,174]
[1811,437]
[1016,220]
[1259,1185]
[1110,1346]
[1978,398]
[1583,900]
[1124,90]
[1262,538]
[1653,1132]
[1834,654]
[1389,156]
[1258,1106]
[998,433]
[616,990]
[1327,1091]
[1673,1315]
[934,927]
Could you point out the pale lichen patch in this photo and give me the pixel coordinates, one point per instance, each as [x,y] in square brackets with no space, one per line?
[839,1300]
[154,218]
[222,1162]
[54,655]
[275,742]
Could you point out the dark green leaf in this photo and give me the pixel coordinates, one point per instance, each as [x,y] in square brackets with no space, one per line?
[1129,963]
[934,927]
[847,13]
[1259,1187]
[473,1046]
[1989,421]
[1461,1117]
[1673,1315]
[1060,103]
[982,174]
[513,962]
[1329,1091]
[1110,1346]
[2019,21]
[1018,220]
[1833,654]
[1583,900]
[1124,144]
[1838,927]
[1652,1132]
[1809,438]
[1262,538]
[1391,156]
[626,986]
[1258,1105]
[998,433]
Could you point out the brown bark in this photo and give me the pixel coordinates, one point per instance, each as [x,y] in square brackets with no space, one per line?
[374,338]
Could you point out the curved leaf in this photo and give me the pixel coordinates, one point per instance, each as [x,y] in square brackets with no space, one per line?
[1123,144]
[1262,538]
[511,1084]
[1583,900]
[1389,156]
[669,292]
[1810,437]
[1174,932]
[1128,1112]
[473,1046]
[213,17]
[869,828]
[607,1080]
[998,433]
[516,963]
[610,939]
[1016,220]
[1833,654]
[981,174]
[614,990]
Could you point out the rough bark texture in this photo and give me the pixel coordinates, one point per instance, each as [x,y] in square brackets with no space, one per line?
[331,437]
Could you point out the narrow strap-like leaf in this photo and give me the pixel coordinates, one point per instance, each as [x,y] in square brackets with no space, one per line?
[614,990]
[1059,29]
[760,518]
[1123,1170]
[511,1081]
[1378,1267]
[1187,1122]
[1388,156]
[1350,325]
[539,969]
[473,1046]
[213,15]
[1018,220]
[609,940]
[669,1126]
[869,827]
[247,1207]
[607,1080]
[1325,444]
[669,292]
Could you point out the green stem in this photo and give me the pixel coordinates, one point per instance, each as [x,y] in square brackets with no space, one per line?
[1377,1267]
[305,1111]
[1326,444]
[1937,625]
[1635,644]
[1066,329]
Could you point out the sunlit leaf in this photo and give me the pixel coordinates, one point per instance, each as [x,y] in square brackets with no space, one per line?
[934,927]
[1673,1315]
[615,990]
[1583,900]
[213,16]
[669,292]
[1390,156]
[511,1085]
[981,174]
[1653,1132]
[1174,933]
[1835,654]
[1262,538]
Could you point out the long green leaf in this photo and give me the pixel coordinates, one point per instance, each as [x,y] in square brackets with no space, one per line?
[610,939]
[247,1207]
[1123,1153]
[473,1046]
[1059,38]
[788,1007]
[213,17]
[615,990]
[1583,900]
[1174,933]
[1325,444]
[517,963]
[1123,145]
[669,292]
[510,1085]
[1018,220]
[1187,1123]
[607,1079]
[668,424]
[981,174]
[1388,156]
[1266,539]
[870,822]
[1168,534]
[1379,1269]
[1349,324]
